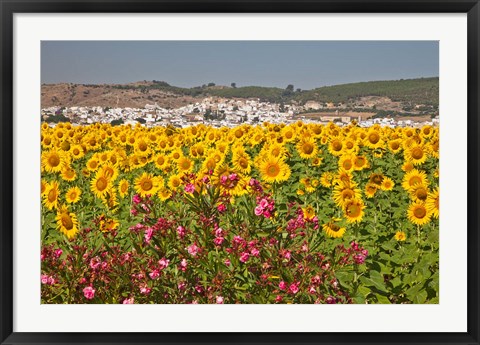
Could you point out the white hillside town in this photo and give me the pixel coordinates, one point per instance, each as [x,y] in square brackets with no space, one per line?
[216,113]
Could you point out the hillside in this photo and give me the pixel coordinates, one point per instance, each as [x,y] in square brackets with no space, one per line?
[404,94]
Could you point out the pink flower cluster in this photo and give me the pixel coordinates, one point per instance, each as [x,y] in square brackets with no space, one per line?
[265,206]
[353,254]
[229,181]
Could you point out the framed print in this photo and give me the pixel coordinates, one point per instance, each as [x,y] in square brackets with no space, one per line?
[250,172]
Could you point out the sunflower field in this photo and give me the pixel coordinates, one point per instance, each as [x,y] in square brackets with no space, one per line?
[300,213]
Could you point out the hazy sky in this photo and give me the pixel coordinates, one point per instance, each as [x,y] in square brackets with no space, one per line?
[305,64]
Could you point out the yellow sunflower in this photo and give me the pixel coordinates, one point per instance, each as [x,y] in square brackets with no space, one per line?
[417,154]
[100,185]
[184,165]
[414,177]
[354,210]
[307,148]
[147,184]
[333,230]
[433,203]
[387,184]
[67,222]
[274,169]
[68,174]
[418,214]
[400,236]
[53,161]
[50,198]
[123,187]
[308,212]
[73,195]
[370,190]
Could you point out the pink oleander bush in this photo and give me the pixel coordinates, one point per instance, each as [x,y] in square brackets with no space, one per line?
[205,250]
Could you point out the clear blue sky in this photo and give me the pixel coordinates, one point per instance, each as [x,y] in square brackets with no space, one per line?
[305,64]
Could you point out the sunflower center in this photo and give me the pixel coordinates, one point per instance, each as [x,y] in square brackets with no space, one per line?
[101,184]
[395,145]
[347,164]
[373,138]
[54,160]
[185,165]
[238,133]
[176,155]
[243,163]
[67,222]
[176,183]
[420,212]
[337,145]
[47,141]
[160,160]
[124,187]
[360,161]
[147,185]
[349,145]
[288,135]
[414,180]
[421,194]
[307,148]
[65,146]
[142,146]
[273,170]
[70,173]
[52,195]
[417,153]
[347,194]
[334,227]
[353,210]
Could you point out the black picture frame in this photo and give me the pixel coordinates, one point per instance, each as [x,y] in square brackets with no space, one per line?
[9,7]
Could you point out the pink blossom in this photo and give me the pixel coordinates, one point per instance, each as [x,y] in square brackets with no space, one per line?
[359,259]
[47,279]
[205,179]
[145,289]
[219,232]
[130,300]
[163,263]
[154,274]
[263,203]
[278,298]
[294,287]
[282,285]
[148,235]
[181,286]
[258,211]
[181,231]
[233,177]
[331,300]
[183,265]
[312,290]
[193,250]
[221,208]
[95,263]
[136,199]
[219,300]
[223,179]
[82,280]
[199,289]
[89,292]
[255,252]
[58,253]
[244,257]
[218,241]
[227,262]
[189,188]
